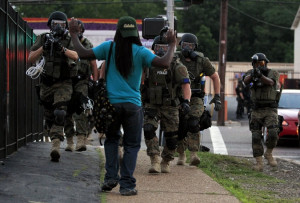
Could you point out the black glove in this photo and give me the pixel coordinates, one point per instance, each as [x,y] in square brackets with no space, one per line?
[184,107]
[58,46]
[47,44]
[217,101]
[258,72]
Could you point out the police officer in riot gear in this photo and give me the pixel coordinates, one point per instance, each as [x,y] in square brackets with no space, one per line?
[265,97]
[162,88]
[85,68]
[56,85]
[198,67]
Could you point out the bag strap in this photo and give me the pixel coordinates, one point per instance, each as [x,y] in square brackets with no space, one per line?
[108,60]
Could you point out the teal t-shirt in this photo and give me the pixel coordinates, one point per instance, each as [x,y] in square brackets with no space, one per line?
[121,90]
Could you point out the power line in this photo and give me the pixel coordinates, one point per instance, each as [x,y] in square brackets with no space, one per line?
[261,21]
[40,2]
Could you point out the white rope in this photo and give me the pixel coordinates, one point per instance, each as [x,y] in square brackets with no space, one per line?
[35,71]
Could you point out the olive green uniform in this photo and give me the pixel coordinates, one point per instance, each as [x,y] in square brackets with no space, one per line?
[264,114]
[56,85]
[199,68]
[80,86]
[162,89]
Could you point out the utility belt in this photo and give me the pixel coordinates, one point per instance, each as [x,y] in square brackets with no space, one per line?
[263,105]
[161,96]
[198,93]
[49,81]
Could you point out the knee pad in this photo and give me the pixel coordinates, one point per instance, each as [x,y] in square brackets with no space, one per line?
[256,137]
[171,140]
[149,131]
[171,143]
[272,134]
[60,116]
[193,125]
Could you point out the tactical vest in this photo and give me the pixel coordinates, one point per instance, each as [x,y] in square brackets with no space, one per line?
[161,86]
[195,69]
[83,65]
[57,65]
[265,95]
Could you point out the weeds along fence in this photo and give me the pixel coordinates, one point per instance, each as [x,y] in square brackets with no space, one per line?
[21,117]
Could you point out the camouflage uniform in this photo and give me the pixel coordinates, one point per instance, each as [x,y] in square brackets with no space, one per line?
[264,113]
[56,85]
[199,68]
[163,88]
[80,88]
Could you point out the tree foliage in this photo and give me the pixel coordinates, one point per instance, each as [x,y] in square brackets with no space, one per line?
[253,26]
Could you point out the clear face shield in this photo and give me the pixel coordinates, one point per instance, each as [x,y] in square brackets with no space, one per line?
[160,49]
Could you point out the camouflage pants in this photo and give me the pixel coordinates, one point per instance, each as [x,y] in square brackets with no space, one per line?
[58,94]
[169,121]
[192,141]
[263,117]
[81,120]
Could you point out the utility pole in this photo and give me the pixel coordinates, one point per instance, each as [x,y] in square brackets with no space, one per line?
[170,13]
[222,58]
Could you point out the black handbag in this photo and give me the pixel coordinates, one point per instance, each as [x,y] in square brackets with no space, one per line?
[103,110]
[205,120]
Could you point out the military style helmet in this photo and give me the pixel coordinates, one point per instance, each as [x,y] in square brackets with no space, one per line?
[82,25]
[57,15]
[190,38]
[158,40]
[260,57]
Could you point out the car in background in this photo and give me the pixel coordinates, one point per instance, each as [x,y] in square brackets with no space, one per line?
[288,107]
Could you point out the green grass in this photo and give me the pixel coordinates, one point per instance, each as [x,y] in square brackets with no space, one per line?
[236,176]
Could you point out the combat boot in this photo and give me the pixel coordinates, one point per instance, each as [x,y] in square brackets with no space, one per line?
[165,166]
[259,164]
[55,155]
[194,159]
[70,144]
[268,155]
[181,158]
[80,145]
[155,167]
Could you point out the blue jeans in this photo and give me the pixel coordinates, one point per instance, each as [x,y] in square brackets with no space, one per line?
[130,116]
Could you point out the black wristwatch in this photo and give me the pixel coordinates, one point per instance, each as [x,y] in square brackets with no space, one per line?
[64,50]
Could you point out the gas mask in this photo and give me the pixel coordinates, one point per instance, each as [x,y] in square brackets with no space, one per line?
[262,66]
[80,36]
[160,49]
[187,50]
[58,28]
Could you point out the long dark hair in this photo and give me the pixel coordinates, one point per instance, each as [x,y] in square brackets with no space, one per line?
[123,53]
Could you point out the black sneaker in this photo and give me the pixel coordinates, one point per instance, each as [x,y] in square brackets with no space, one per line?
[128,192]
[109,185]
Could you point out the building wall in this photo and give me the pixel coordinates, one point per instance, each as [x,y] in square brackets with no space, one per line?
[297,49]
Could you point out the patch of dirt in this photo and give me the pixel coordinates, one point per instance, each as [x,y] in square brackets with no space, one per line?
[288,173]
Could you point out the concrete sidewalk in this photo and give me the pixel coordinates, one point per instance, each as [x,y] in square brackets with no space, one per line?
[183,184]
[29,176]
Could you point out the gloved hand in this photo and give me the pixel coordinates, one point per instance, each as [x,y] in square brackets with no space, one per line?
[58,46]
[258,72]
[184,107]
[47,44]
[217,101]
